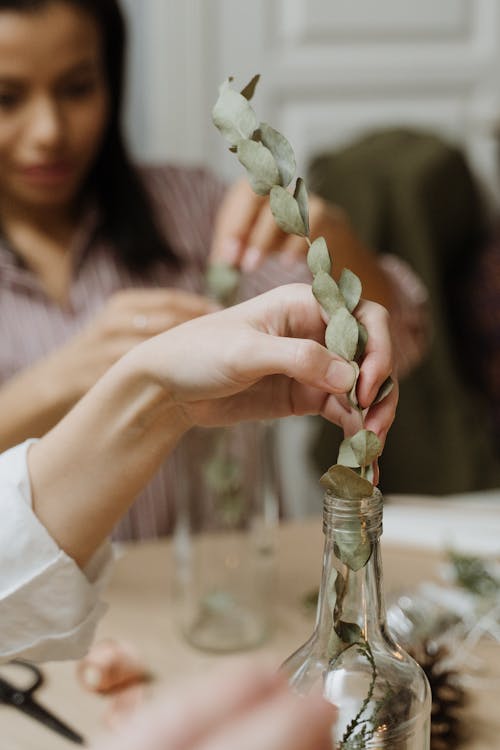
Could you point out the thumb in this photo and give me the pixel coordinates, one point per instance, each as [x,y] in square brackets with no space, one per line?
[301,359]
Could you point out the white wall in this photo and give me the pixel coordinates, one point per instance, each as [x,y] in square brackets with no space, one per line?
[331,70]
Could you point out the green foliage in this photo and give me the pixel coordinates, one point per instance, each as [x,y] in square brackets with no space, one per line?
[270,164]
[350,286]
[343,482]
[260,165]
[342,334]
[473,574]
[286,211]
[233,115]
[221,282]
[318,258]
[281,151]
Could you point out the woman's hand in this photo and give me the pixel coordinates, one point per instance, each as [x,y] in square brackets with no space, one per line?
[256,360]
[246,233]
[243,706]
[265,358]
[36,399]
[128,318]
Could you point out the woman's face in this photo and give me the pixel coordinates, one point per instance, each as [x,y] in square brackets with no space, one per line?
[53,104]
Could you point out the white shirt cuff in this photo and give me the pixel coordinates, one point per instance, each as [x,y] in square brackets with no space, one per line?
[49,606]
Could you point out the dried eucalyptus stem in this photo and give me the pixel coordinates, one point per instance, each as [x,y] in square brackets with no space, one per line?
[270,164]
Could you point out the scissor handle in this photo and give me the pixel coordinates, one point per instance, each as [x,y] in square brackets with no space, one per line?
[37,675]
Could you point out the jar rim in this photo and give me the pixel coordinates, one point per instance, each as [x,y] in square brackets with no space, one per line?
[340,512]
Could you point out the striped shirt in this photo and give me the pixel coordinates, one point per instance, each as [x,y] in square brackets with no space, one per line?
[186,201]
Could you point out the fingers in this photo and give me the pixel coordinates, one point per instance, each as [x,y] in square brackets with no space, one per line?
[284,722]
[246,232]
[234,222]
[242,706]
[142,313]
[302,360]
[380,417]
[190,713]
[156,300]
[377,361]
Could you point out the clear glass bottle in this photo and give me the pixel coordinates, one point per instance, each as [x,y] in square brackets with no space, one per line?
[227,513]
[382,694]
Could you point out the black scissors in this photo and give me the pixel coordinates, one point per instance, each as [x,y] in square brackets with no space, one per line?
[22,698]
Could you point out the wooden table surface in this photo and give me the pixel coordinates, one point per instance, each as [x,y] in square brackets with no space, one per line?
[140,611]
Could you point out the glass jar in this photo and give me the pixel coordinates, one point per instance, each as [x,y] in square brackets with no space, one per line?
[382,694]
[227,512]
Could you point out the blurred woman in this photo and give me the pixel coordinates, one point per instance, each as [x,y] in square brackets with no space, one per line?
[96,255]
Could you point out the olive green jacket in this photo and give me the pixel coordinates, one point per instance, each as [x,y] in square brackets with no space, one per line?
[411,194]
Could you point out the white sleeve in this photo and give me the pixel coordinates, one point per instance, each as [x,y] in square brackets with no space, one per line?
[49,607]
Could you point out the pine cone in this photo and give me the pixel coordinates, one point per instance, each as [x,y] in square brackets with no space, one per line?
[448,697]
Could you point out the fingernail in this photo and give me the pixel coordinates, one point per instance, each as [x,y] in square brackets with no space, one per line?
[251,259]
[341,376]
[231,248]
[92,676]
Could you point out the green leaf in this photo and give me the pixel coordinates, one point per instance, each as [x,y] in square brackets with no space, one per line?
[260,165]
[281,150]
[222,281]
[233,115]
[318,257]
[366,447]
[384,390]
[249,90]
[344,482]
[300,195]
[350,286]
[341,334]
[286,212]
[362,341]
[327,293]
[346,455]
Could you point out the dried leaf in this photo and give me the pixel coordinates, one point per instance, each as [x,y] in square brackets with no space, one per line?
[366,447]
[327,293]
[362,341]
[281,151]
[300,195]
[353,546]
[331,588]
[344,482]
[222,281]
[260,165]
[350,286]
[233,115]
[335,645]
[346,455]
[384,390]
[249,90]
[341,334]
[318,257]
[349,632]
[286,212]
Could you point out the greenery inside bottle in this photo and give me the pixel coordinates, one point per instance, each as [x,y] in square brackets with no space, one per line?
[382,694]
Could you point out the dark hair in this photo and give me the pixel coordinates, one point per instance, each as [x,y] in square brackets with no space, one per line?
[127,215]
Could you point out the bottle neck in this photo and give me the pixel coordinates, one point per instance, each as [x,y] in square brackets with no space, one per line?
[351,583]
